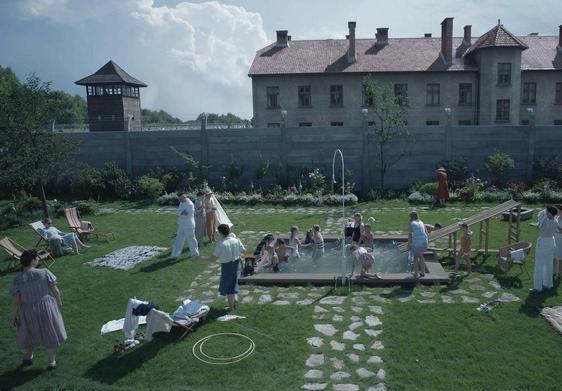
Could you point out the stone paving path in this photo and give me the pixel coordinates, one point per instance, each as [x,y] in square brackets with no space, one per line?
[347,340]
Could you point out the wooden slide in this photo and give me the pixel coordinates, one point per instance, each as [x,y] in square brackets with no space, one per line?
[483,219]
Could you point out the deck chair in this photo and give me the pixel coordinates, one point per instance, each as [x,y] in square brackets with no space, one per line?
[81,227]
[514,254]
[15,250]
[36,226]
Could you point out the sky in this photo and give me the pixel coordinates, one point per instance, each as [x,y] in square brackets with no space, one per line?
[195,55]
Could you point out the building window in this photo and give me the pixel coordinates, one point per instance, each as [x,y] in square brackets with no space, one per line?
[117,90]
[304,96]
[336,123]
[529,95]
[465,122]
[465,94]
[502,110]
[272,97]
[432,123]
[558,122]
[371,123]
[558,94]
[367,98]
[336,96]
[524,122]
[504,73]
[401,93]
[433,94]
[273,125]
[305,124]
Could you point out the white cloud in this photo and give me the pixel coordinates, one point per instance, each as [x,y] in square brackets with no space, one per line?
[213,40]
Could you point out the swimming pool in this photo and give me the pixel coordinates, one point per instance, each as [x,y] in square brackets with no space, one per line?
[393,266]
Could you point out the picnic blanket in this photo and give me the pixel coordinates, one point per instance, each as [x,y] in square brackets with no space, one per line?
[554,316]
[126,258]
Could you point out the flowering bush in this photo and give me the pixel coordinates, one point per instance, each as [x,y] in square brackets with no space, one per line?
[170,199]
[317,181]
[531,197]
[472,186]
[420,198]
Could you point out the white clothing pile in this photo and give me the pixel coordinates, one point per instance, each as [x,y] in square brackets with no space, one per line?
[126,258]
[554,316]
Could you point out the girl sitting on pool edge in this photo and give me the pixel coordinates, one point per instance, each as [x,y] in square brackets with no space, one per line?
[365,258]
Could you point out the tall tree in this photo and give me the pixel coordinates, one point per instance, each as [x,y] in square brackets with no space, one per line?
[30,152]
[389,111]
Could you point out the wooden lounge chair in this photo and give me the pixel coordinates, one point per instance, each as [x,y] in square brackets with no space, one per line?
[15,250]
[505,260]
[81,227]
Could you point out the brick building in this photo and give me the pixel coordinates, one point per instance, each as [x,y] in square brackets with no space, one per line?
[496,78]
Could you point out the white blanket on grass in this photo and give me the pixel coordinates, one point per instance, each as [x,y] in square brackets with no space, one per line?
[126,258]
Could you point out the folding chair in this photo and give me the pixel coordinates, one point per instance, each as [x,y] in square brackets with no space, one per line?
[81,227]
[15,250]
[507,256]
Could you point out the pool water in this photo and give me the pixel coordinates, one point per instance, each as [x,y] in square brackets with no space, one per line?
[387,260]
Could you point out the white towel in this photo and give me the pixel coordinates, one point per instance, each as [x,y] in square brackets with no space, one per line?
[517,256]
[117,324]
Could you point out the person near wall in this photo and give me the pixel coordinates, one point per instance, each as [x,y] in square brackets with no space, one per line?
[36,310]
[417,243]
[55,237]
[558,241]
[186,228]
[210,213]
[229,251]
[442,186]
[544,252]
[200,217]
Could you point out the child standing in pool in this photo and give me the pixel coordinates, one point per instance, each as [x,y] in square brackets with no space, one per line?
[268,256]
[367,238]
[318,243]
[366,260]
[294,242]
[282,251]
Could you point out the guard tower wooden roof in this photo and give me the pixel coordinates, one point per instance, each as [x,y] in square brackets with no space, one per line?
[110,73]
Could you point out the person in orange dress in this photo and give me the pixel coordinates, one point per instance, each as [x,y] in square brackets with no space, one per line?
[442,186]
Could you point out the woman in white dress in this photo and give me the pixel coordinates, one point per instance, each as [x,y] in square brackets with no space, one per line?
[544,251]
[200,217]
[417,243]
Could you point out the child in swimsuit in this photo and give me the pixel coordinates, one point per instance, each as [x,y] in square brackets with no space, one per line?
[318,243]
[365,258]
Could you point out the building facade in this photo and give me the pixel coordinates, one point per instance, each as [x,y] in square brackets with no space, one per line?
[498,78]
[113,99]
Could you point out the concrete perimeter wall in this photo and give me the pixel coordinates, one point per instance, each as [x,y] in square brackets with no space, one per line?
[289,151]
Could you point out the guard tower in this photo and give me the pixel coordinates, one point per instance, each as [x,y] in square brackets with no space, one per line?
[113,99]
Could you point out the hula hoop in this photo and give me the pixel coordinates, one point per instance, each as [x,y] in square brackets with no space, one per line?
[199,354]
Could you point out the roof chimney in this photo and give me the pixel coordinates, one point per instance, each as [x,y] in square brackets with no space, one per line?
[282,39]
[427,35]
[382,36]
[447,40]
[467,34]
[560,38]
[351,54]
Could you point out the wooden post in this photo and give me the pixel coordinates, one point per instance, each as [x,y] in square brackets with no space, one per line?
[517,233]
[455,243]
[487,237]
[510,226]
[480,237]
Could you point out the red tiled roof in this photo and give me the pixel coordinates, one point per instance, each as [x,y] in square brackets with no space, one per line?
[110,73]
[400,55]
[498,36]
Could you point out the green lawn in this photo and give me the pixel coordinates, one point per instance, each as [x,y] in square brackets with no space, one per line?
[427,346]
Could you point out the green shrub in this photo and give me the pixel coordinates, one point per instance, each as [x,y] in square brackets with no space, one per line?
[457,170]
[147,188]
[532,197]
[116,181]
[8,217]
[428,188]
[169,199]
[493,196]
[28,206]
[471,189]
[544,185]
[84,207]
[549,168]
[90,184]
[498,164]
[316,181]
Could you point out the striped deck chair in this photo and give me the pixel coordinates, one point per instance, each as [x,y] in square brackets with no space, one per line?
[15,250]
[81,227]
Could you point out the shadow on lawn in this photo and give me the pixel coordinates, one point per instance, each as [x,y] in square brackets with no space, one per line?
[160,264]
[534,302]
[18,376]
